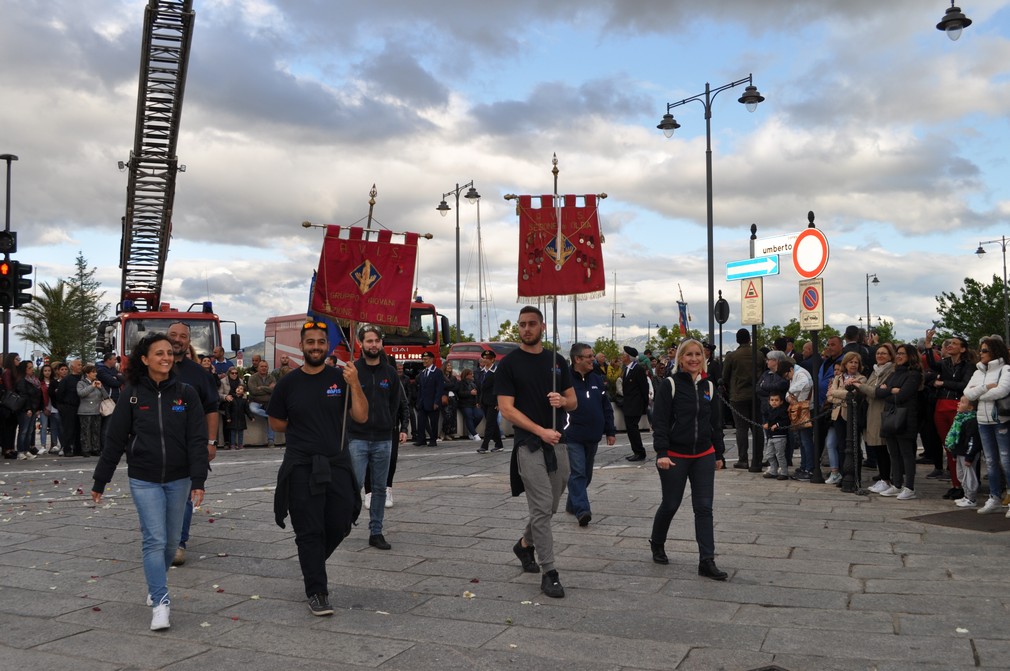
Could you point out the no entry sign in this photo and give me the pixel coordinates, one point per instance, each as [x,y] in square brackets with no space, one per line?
[810,253]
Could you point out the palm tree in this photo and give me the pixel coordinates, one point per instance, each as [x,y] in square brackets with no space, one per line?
[48,320]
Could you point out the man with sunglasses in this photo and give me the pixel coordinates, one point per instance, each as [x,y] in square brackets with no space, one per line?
[316,482]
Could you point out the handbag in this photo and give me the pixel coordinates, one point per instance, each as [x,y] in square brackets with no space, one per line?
[1002,404]
[14,402]
[799,414]
[893,421]
[106,407]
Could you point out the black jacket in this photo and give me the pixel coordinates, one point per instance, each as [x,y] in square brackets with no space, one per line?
[686,422]
[381,386]
[969,442]
[909,381]
[30,393]
[955,377]
[162,429]
[66,392]
[485,388]
[636,390]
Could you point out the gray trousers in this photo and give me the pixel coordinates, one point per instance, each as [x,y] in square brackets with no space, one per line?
[543,492]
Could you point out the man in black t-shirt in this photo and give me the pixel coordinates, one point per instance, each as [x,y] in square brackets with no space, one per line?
[534,388]
[316,482]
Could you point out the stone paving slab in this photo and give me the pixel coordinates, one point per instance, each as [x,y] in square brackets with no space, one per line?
[819,579]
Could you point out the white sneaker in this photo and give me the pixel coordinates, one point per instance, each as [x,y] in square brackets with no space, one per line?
[475,437]
[890,491]
[834,478]
[55,450]
[367,504]
[965,503]
[159,617]
[906,494]
[389,497]
[992,505]
[877,487]
[21,456]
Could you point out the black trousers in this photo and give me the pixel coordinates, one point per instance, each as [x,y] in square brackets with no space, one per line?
[634,434]
[492,432]
[745,411]
[701,472]
[69,430]
[428,424]
[320,522]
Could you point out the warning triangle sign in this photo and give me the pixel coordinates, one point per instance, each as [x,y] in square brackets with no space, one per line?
[751,290]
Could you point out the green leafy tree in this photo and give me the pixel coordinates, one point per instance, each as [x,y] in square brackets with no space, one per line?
[507,332]
[976,310]
[84,304]
[885,331]
[607,346]
[49,320]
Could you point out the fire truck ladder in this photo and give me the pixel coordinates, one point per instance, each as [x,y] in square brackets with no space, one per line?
[147,226]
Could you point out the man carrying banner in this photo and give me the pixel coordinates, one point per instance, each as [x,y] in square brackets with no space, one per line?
[316,481]
[534,389]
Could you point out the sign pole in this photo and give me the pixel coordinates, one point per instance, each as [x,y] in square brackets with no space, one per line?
[757,454]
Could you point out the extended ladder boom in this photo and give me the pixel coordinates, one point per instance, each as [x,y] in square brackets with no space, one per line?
[147,226]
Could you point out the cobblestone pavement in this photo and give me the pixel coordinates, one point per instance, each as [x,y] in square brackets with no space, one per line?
[819,579]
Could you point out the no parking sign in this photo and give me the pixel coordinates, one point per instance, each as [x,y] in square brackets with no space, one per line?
[812,304]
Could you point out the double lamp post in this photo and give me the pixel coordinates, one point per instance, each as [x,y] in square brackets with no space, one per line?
[443,208]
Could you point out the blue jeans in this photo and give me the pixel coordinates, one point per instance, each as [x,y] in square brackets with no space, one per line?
[996,447]
[26,430]
[160,507]
[258,409]
[806,438]
[374,453]
[831,442]
[472,417]
[581,457]
[49,424]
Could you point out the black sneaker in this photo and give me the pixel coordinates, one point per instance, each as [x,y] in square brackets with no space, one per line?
[319,604]
[551,585]
[497,448]
[802,476]
[584,519]
[377,541]
[525,555]
[935,474]
[481,450]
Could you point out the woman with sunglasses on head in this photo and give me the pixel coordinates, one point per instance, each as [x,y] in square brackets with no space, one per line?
[227,387]
[689,447]
[991,382]
[900,392]
[160,424]
[875,444]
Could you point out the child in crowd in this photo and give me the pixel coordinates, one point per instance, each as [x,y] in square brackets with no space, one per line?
[235,418]
[964,442]
[776,425]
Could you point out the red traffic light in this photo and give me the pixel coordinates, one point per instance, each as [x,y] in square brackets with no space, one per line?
[5,268]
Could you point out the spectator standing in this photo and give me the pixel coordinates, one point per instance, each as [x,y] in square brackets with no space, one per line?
[49,419]
[489,402]
[965,443]
[739,377]
[450,401]
[28,387]
[260,387]
[901,390]
[91,394]
[948,376]
[635,384]
[430,390]
[534,391]
[67,402]
[875,444]
[468,403]
[235,416]
[8,417]
[775,422]
[590,421]
[989,383]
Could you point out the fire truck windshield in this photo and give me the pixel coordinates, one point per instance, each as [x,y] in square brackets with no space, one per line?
[422,330]
[203,334]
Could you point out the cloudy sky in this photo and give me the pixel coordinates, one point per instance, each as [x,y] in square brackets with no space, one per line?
[895,136]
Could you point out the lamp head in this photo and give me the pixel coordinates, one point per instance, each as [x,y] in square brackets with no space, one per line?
[668,125]
[472,195]
[443,208]
[751,98]
[980,251]
[953,22]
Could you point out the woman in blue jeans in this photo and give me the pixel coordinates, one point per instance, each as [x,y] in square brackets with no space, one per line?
[989,383]
[160,423]
[688,442]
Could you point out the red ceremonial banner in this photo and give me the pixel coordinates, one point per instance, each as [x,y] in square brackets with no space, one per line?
[571,266]
[365,277]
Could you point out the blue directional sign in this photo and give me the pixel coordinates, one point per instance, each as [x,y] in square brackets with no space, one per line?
[760,266]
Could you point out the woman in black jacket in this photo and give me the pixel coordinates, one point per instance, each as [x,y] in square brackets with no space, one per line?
[900,392]
[688,442]
[27,385]
[160,424]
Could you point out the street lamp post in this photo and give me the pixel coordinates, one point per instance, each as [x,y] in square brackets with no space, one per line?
[875,281]
[668,125]
[1002,242]
[472,196]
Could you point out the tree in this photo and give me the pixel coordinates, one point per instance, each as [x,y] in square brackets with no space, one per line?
[974,312]
[84,304]
[507,332]
[885,331]
[608,347]
[49,321]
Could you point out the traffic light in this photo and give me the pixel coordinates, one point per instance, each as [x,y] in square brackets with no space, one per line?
[8,242]
[22,273]
[6,285]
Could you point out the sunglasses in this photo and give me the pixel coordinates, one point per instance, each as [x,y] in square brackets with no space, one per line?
[315,325]
[984,350]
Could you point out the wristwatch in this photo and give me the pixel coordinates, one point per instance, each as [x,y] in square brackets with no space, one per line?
[211,443]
